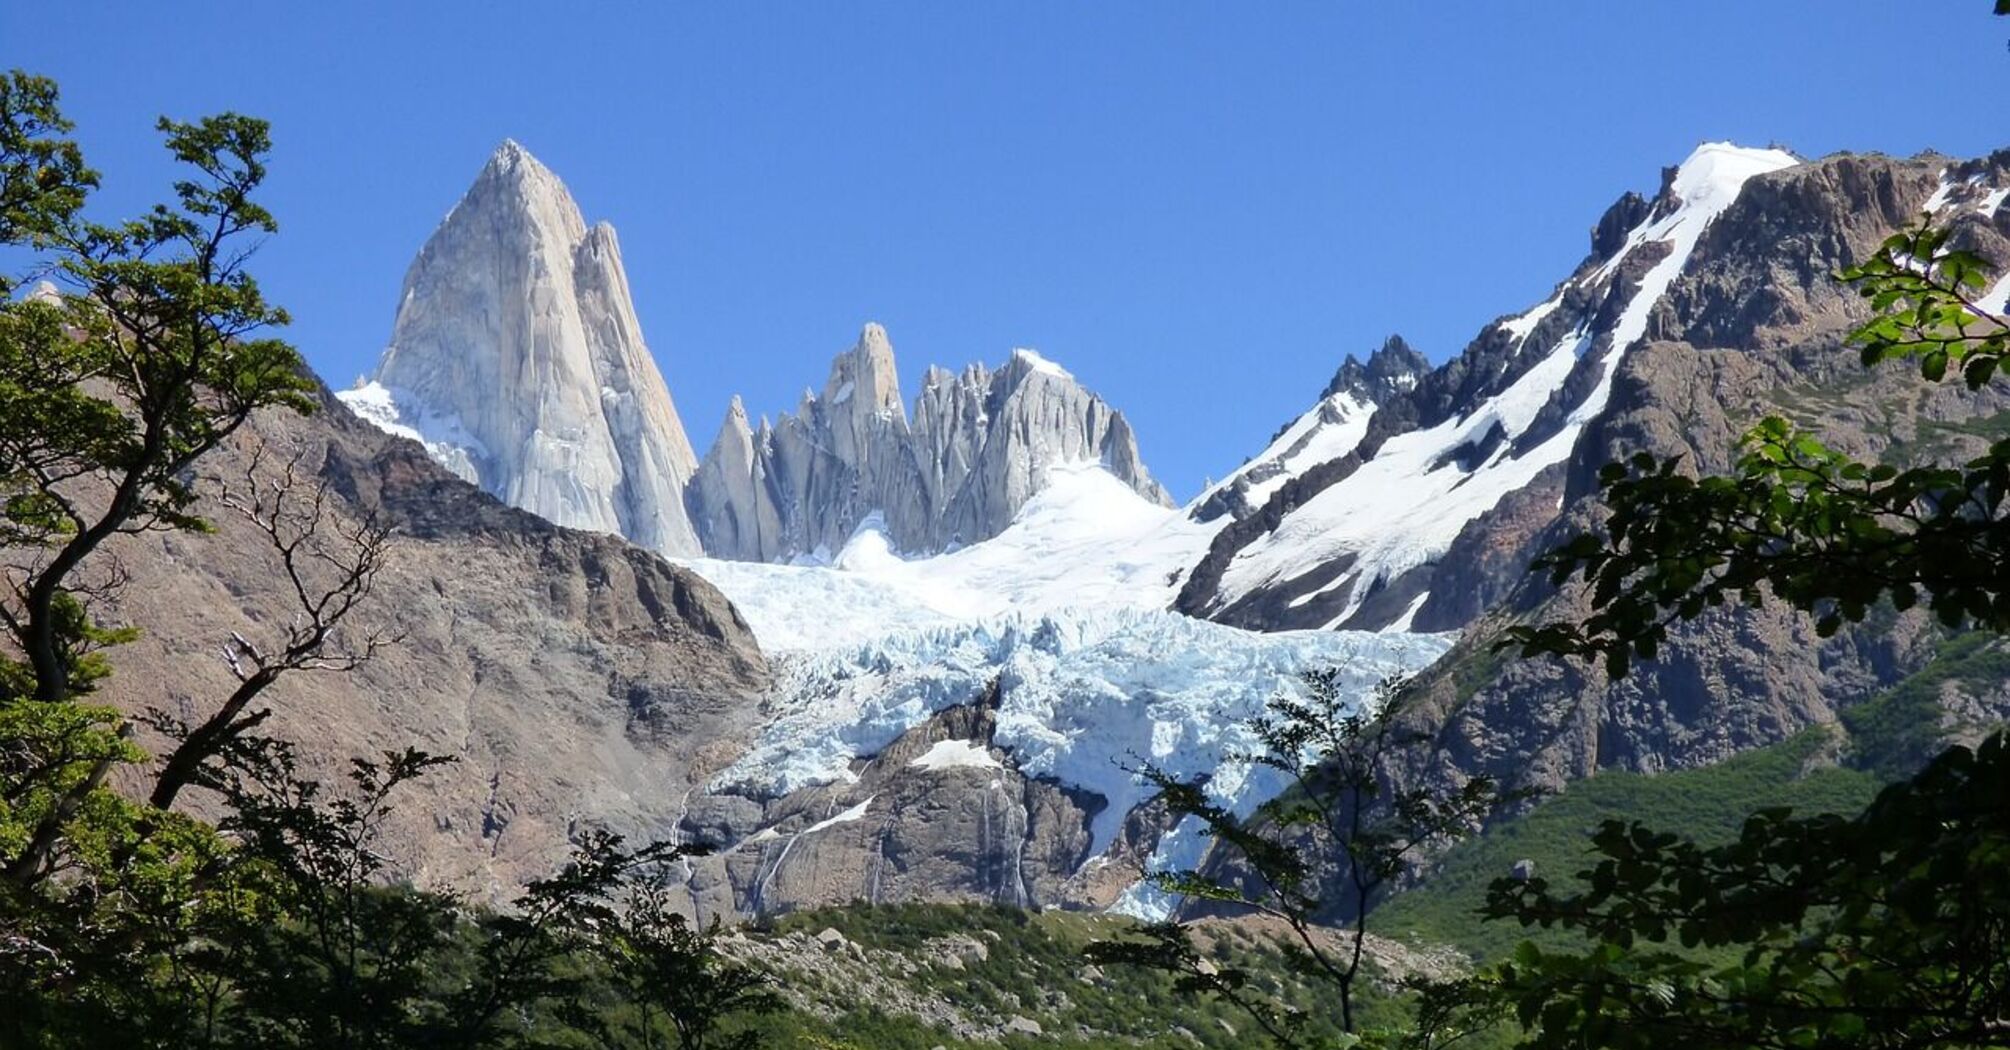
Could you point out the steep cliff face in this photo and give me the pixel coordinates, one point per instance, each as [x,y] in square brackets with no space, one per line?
[580,681]
[516,357]
[980,445]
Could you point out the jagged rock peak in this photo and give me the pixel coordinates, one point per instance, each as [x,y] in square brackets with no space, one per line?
[517,359]
[1392,368]
[736,419]
[866,373]
[980,445]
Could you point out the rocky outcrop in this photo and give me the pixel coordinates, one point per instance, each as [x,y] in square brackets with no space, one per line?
[941,814]
[1356,540]
[516,357]
[1394,367]
[1332,429]
[578,680]
[978,447]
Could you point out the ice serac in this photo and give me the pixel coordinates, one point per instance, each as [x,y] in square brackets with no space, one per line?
[979,446]
[517,359]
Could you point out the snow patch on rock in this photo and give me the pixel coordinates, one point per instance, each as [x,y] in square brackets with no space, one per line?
[956,754]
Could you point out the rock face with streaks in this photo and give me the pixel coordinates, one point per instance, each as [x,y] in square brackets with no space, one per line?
[940,814]
[516,357]
[977,447]
[1754,326]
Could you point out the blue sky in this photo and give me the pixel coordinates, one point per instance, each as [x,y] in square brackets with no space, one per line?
[1197,208]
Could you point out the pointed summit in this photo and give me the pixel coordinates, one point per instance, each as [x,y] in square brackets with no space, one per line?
[517,358]
[1393,367]
[511,160]
[730,500]
[866,373]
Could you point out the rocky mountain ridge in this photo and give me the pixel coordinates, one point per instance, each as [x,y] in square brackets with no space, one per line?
[517,360]
[979,445]
[1354,540]
[1755,326]
[578,681]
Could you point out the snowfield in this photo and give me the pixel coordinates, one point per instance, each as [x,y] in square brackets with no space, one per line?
[445,439]
[1085,542]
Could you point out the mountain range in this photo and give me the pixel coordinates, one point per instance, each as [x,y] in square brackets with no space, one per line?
[898,648]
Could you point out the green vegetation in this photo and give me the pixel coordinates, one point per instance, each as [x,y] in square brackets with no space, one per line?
[1033,967]
[1710,804]
[1901,729]
[1938,438]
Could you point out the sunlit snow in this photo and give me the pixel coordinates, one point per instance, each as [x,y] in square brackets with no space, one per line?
[1330,430]
[956,754]
[445,439]
[1404,507]
[1085,541]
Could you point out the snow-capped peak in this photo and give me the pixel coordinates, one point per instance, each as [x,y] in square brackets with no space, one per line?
[1036,363]
[1709,180]
[1402,508]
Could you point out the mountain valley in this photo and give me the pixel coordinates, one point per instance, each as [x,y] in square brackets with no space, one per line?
[996,566]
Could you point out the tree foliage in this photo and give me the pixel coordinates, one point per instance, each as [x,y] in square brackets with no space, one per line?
[1324,851]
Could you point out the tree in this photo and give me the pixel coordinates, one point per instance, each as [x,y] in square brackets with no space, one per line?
[1889,930]
[122,921]
[148,356]
[1326,849]
[112,393]
[679,985]
[327,958]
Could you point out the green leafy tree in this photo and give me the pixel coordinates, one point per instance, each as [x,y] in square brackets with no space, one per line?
[329,959]
[148,355]
[681,990]
[1315,859]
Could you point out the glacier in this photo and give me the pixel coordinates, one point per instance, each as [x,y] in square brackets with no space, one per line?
[1084,693]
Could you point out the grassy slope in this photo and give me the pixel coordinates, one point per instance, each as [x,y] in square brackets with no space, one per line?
[1709,804]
